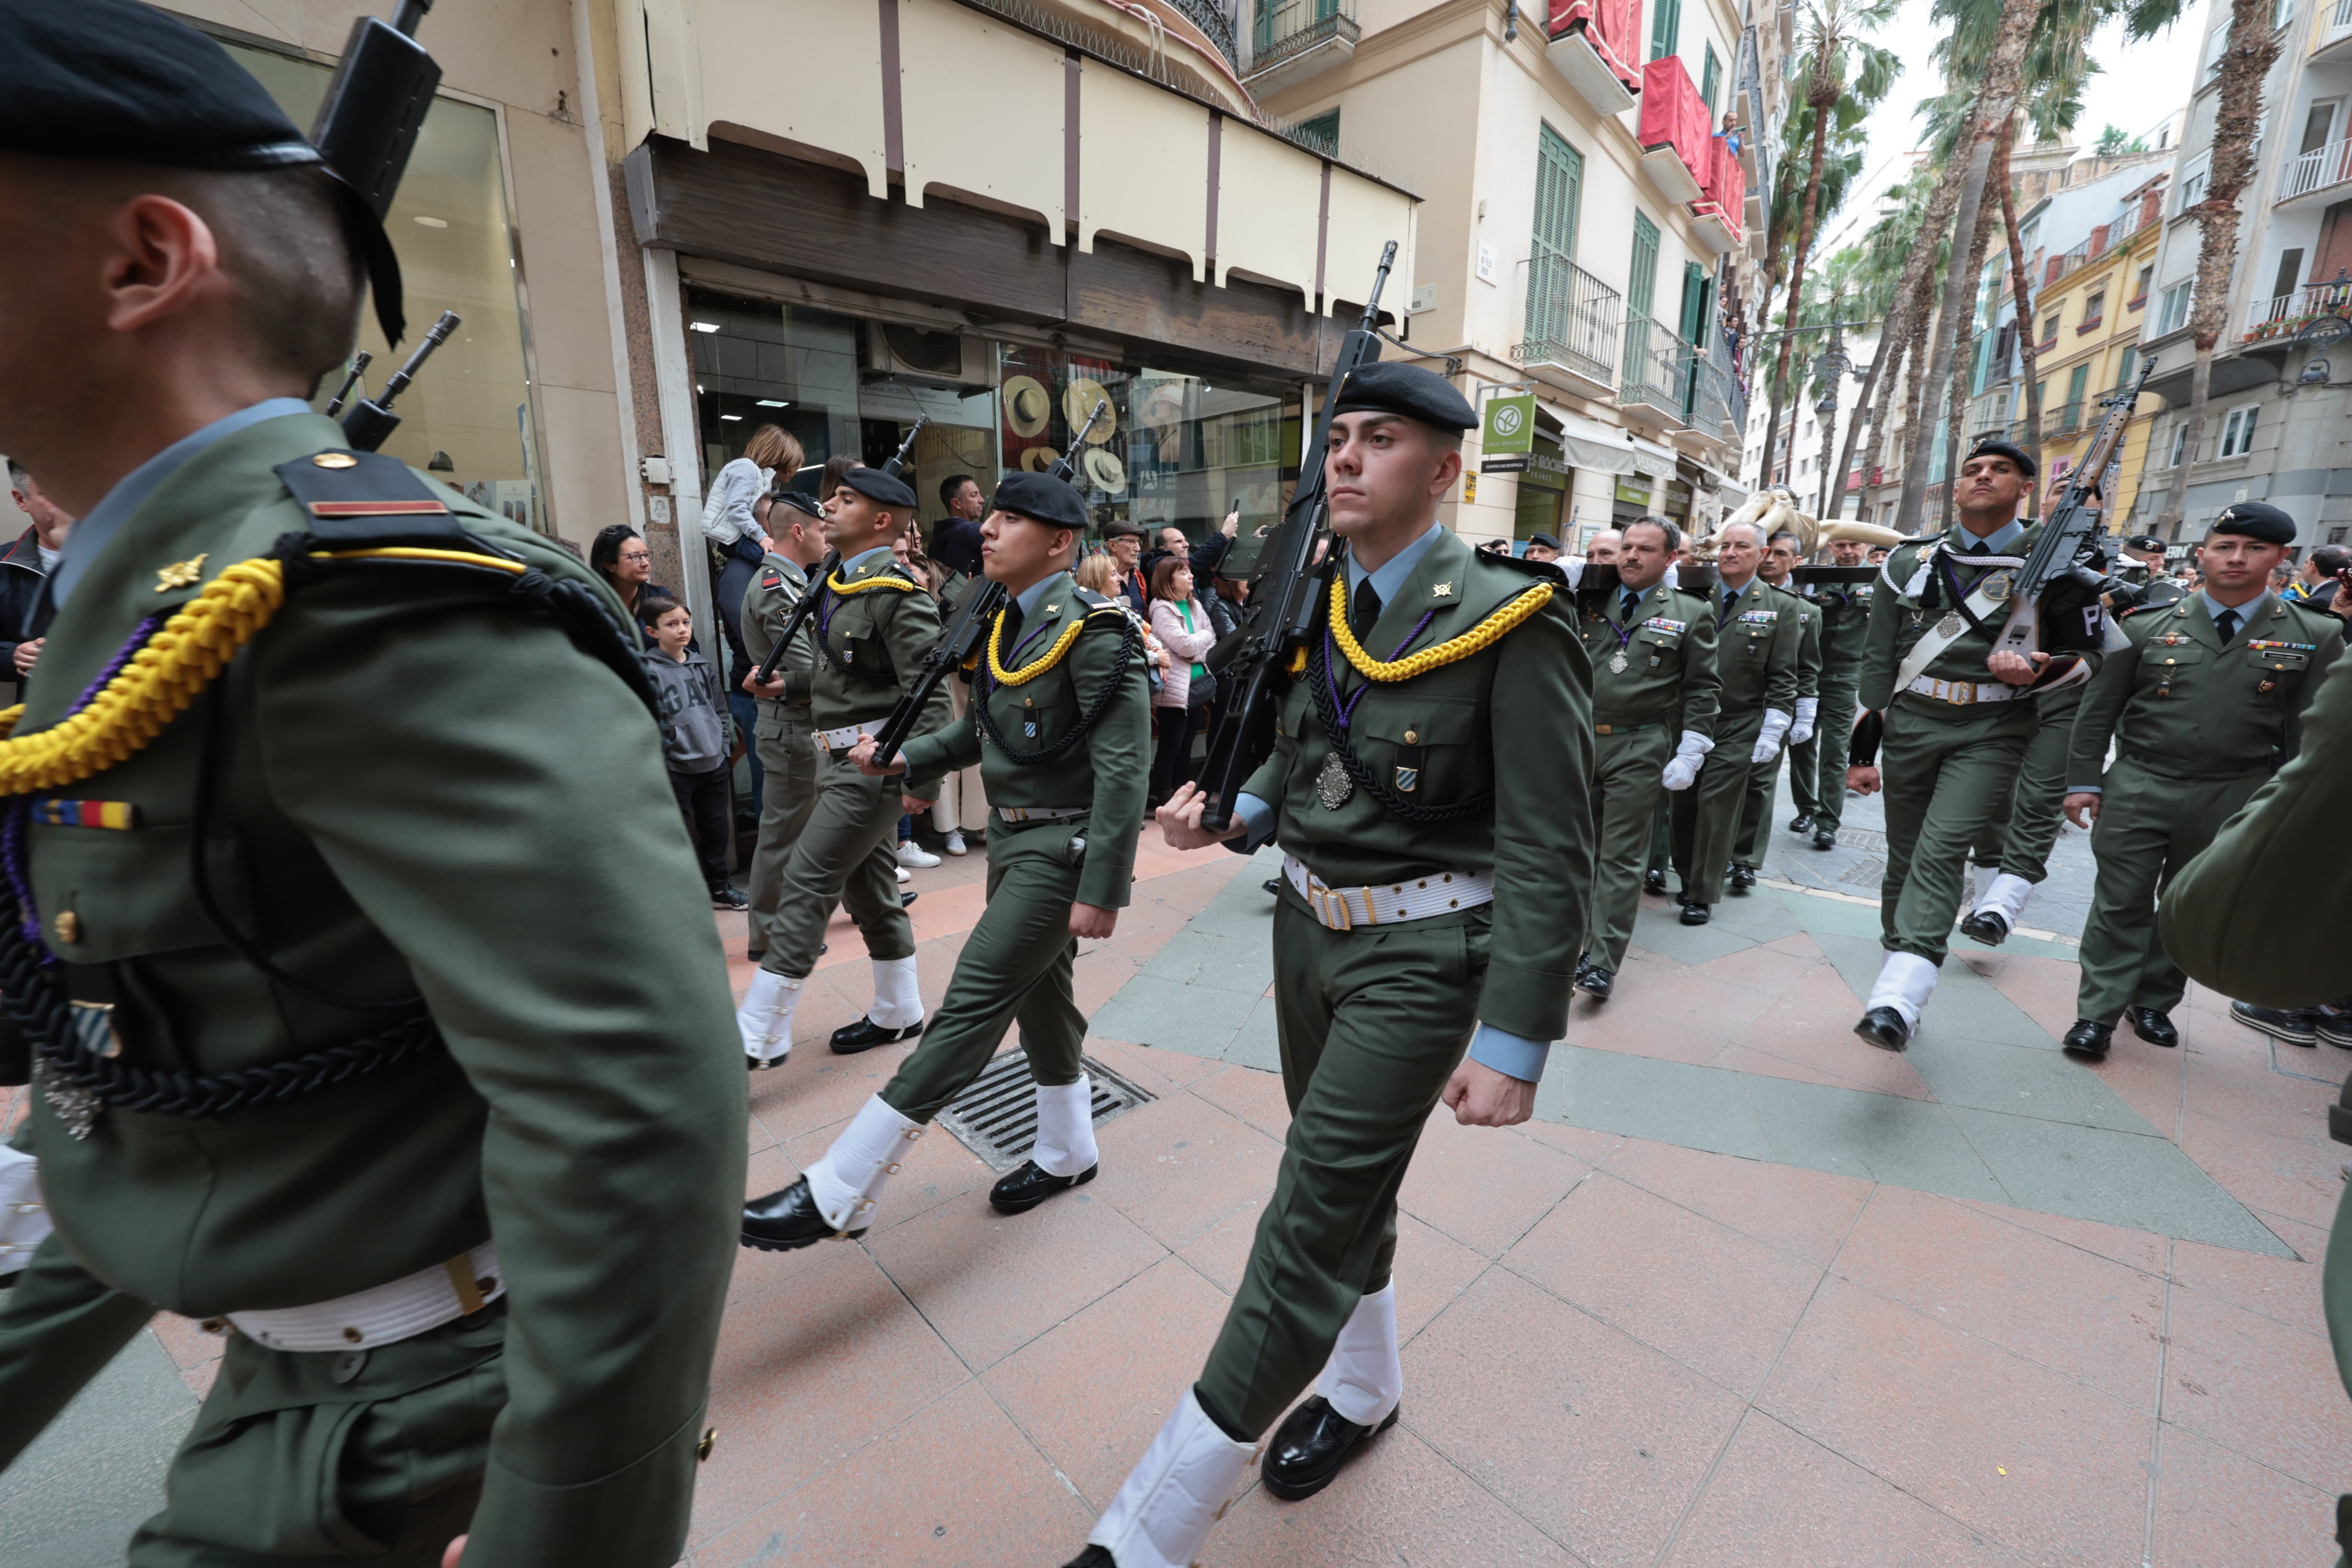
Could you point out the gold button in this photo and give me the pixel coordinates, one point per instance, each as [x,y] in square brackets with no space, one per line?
[1411,737]
[336,460]
[486,1286]
[69,926]
[702,1449]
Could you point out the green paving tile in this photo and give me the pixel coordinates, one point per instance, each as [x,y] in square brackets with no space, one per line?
[1243,963]
[1197,1020]
[1760,916]
[1660,932]
[2019,1080]
[1876,1137]
[1833,915]
[139,1387]
[1970,1006]
[1857,958]
[1637,1097]
[84,1519]
[1259,1044]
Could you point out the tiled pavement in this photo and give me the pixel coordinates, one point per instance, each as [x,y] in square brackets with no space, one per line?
[1746,1292]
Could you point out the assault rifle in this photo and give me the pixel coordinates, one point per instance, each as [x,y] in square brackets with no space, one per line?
[372,420]
[829,565]
[2067,555]
[1283,594]
[973,621]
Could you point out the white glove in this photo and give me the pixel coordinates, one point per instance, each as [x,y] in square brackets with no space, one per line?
[1802,731]
[1682,768]
[1768,744]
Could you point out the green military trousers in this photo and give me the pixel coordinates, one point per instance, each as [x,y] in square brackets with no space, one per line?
[1706,815]
[1817,766]
[847,853]
[1626,765]
[1946,778]
[298,1460]
[1754,834]
[787,753]
[1372,1022]
[2019,842]
[2151,826]
[1015,967]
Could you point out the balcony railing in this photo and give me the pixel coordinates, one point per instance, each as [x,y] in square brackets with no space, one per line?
[2317,170]
[2285,313]
[1572,319]
[1286,30]
[1989,413]
[2062,421]
[1657,369]
[1716,398]
[2334,26]
[1211,19]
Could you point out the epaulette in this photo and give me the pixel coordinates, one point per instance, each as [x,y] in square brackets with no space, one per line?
[1092,600]
[1548,571]
[367,499]
[772,579]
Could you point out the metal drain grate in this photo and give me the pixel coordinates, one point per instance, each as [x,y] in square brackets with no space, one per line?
[996,1118]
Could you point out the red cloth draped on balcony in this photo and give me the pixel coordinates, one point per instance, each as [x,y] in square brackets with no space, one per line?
[1723,190]
[1674,114]
[1614,29]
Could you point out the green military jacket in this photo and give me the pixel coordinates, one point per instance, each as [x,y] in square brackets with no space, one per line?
[2185,703]
[1809,639]
[873,629]
[1898,620]
[1844,609]
[1514,717]
[422,787]
[767,605]
[1655,664]
[1073,660]
[1759,650]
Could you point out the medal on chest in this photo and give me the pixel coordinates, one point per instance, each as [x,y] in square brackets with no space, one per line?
[1951,625]
[1617,662]
[1332,785]
[75,1108]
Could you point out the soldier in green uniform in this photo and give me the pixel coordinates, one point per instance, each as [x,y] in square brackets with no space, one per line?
[1757,648]
[1654,685]
[1435,889]
[372,1080]
[1060,727]
[872,625]
[1755,831]
[1817,764]
[2199,708]
[2012,849]
[784,734]
[1953,742]
[2147,552]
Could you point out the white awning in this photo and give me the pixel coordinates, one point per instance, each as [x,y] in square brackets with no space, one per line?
[1592,445]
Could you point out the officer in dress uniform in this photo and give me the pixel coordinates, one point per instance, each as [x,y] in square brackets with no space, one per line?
[1757,648]
[1954,741]
[1755,833]
[1654,700]
[372,1082]
[784,734]
[2149,551]
[1432,901]
[1817,764]
[1063,731]
[2199,708]
[872,626]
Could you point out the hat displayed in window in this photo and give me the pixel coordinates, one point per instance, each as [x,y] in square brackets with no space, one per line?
[1078,400]
[1026,406]
[1106,471]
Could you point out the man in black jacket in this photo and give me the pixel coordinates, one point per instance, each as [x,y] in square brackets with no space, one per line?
[24,567]
[955,539]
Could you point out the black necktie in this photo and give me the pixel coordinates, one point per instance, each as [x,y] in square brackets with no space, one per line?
[1626,609]
[1365,610]
[1979,548]
[2226,623]
[1008,630]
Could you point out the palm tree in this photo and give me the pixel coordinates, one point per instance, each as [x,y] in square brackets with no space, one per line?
[1914,237]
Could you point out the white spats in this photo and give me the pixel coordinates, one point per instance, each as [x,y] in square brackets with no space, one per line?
[898,998]
[1364,1379]
[1163,1511]
[765,1018]
[23,1219]
[1066,1129]
[1904,982]
[847,1180]
[2006,897]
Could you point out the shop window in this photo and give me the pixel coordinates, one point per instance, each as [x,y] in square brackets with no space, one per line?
[467,418]
[1543,491]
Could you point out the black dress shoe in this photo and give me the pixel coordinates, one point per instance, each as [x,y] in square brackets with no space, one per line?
[1653,881]
[1093,1557]
[1273,889]
[2157,1028]
[787,1220]
[1027,1187]
[1682,897]
[865,1033]
[1801,822]
[908,896]
[1596,982]
[1307,1449]
[1885,1027]
[1990,926]
[1742,878]
[755,1064]
[2088,1040]
[1696,914]
[2295,1026]
[1824,838]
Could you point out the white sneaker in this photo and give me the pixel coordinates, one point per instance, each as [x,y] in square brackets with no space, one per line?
[903,877]
[913,854]
[956,846]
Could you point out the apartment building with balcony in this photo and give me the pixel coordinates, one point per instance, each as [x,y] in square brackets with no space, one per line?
[1590,172]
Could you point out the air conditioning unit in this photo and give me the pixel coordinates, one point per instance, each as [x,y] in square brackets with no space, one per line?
[936,359]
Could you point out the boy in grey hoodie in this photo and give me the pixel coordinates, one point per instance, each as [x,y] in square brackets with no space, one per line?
[693,738]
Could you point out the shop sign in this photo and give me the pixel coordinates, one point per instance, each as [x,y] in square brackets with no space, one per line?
[1508,434]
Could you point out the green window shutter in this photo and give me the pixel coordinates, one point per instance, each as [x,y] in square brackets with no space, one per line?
[1322,132]
[2126,366]
[2075,383]
[1642,280]
[1694,292]
[1709,81]
[1666,29]
[1560,188]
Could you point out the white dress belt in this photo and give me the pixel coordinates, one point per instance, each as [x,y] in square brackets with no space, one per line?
[386,1314]
[1964,691]
[1387,903]
[1040,812]
[841,740]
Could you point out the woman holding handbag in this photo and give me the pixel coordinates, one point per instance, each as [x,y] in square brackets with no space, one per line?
[1182,624]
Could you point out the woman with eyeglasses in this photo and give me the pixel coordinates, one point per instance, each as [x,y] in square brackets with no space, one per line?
[621,558]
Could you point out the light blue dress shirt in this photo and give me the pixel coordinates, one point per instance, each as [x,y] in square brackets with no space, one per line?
[2000,542]
[856,563]
[90,533]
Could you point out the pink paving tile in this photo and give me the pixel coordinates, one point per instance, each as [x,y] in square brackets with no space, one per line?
[1672,1015]
[2262,1388]
[1596,1439]
[1796,944]
[815,1088]
[1178,1165]
[2138,1249]
[1158,1072]
[905,1499]
[1941,1413]
[1092,1391]
[1780,1498]
[1432,1271]
[1222,1252]
[2043,988]
[2149,1079]
[1807,1213]
[197,1354]
[989,1283]
[2094,1319]
[1098,975]
[2283,1289]
[763,1273]
[1756,972]
[1481,1185]
[2272,1102]
[1583,1142]
[2297,1176]
[935,1170]
[1397,1501]
[2214,1508]
[1717,1302]
[808,1375]
[1255,1096]
[1880,1073]
[2309,1241]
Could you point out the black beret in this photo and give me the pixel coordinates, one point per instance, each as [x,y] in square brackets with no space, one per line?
[876,486]
[2255,520]
[1390,386]
[1041,498]
[1546,539]
[2025,465]
[799,501]
[2144,542]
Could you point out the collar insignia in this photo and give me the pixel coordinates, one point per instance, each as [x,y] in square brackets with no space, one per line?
[180,574]
[1441,591]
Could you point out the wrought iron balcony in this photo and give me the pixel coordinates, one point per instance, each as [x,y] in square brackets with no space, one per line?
[1572,321]
[1211,19]
[1293,39]
[1657,369]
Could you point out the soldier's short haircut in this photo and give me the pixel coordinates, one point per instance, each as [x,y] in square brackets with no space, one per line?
[1778,534]
[1752,528]
[952,485]
[1674,536]
[19,476]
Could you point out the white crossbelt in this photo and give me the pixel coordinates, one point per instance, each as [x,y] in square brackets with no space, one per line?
[849,735]
[388,1313]
[1040,812]
[1964,691]
[1345,908]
